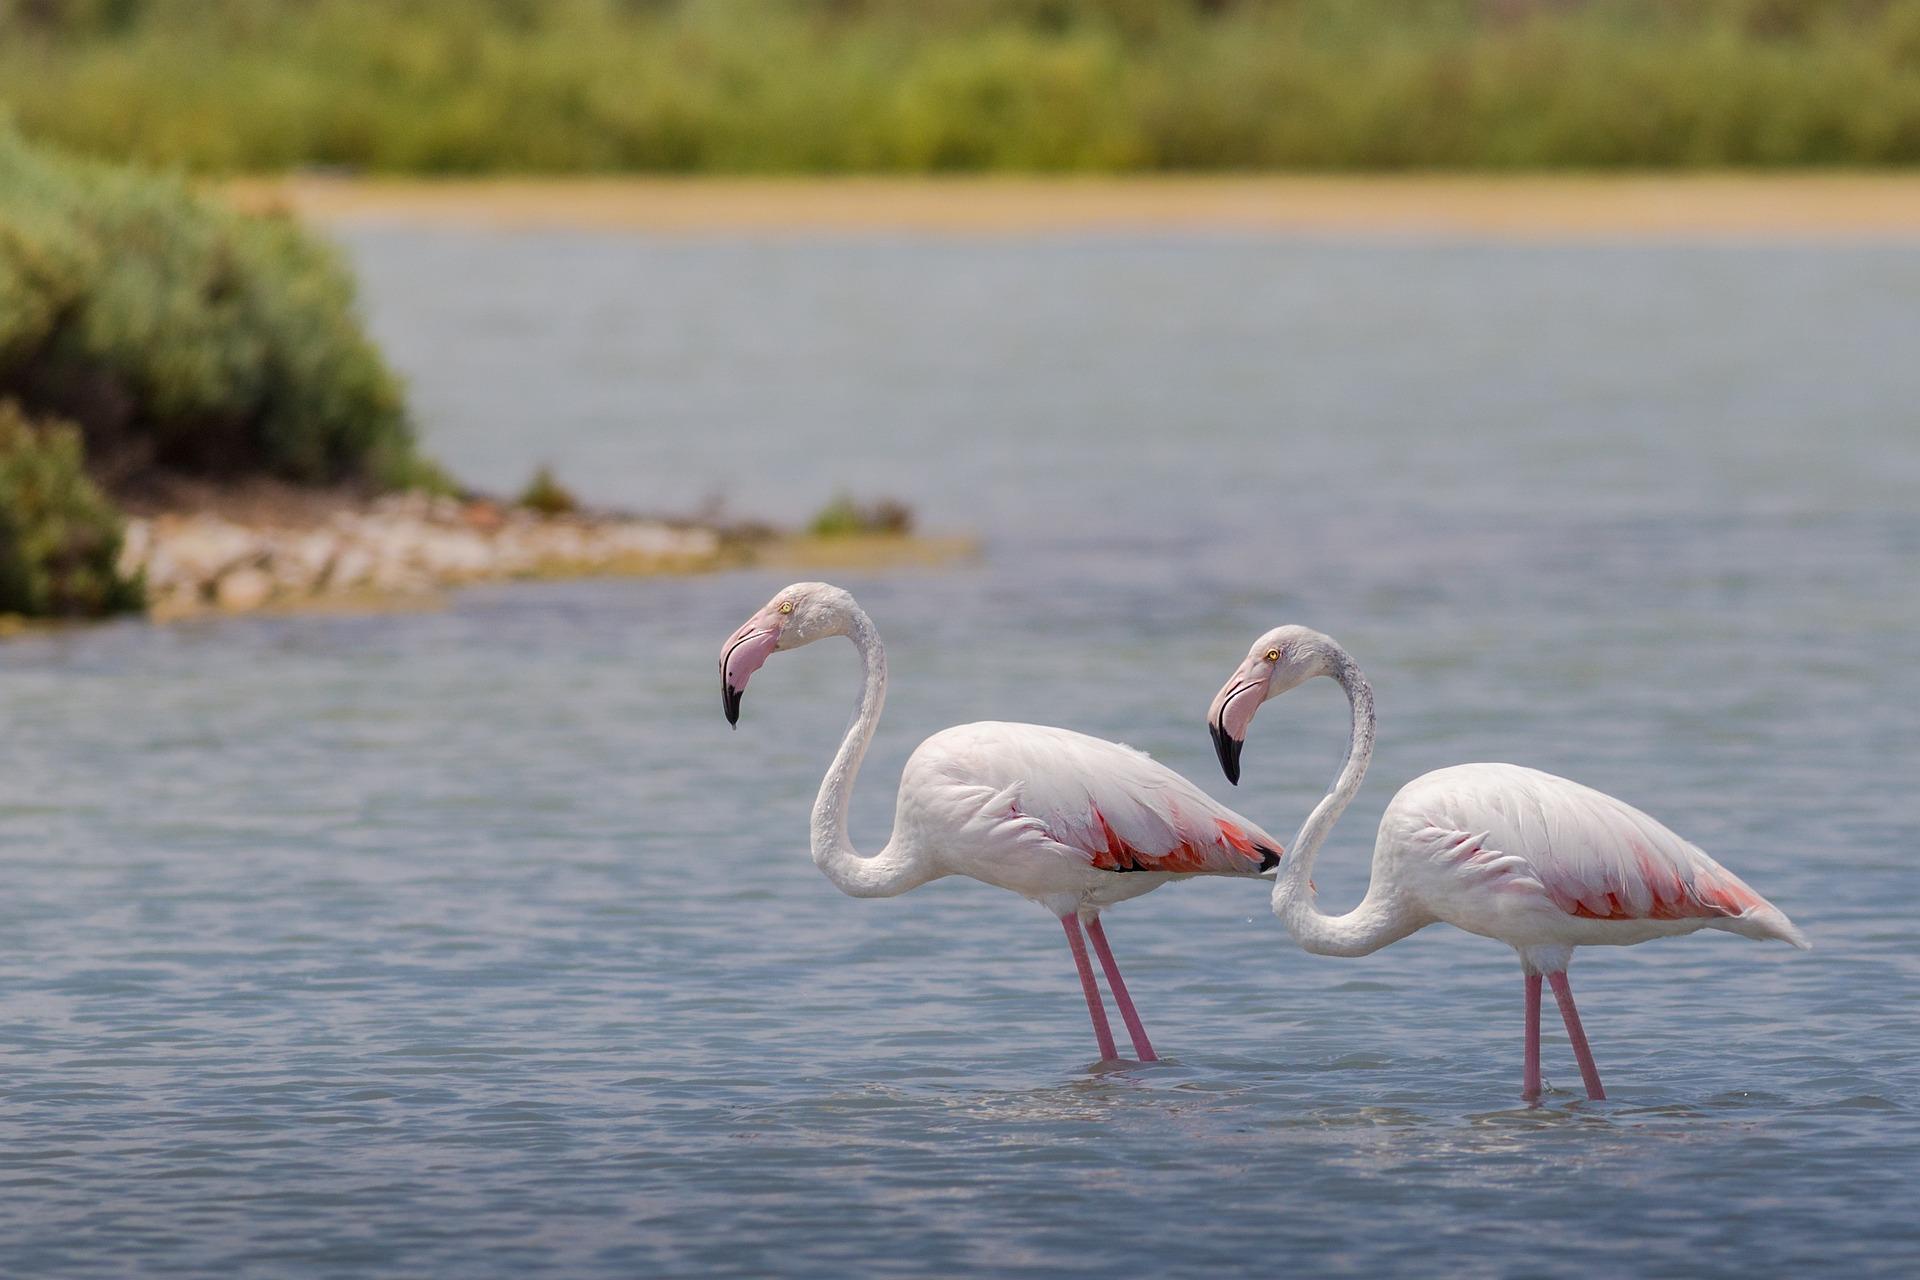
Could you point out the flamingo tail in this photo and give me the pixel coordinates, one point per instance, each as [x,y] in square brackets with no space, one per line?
[1765,922]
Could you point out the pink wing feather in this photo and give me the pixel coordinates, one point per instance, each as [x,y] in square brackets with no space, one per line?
[1592,856]
[1116,807]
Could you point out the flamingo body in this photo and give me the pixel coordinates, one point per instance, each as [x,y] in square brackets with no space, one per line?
[1543,863]
[1072,822]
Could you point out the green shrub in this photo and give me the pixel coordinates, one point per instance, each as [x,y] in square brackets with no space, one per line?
[59,538]
[182,336]
[843,517]
[412,471]
[546,495]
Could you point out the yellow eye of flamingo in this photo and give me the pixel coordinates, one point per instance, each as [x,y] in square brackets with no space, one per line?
[786,606]
[1273,655]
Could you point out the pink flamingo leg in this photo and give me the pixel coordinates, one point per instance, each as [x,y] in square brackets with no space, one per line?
[1098,1011]
[1571,1016]
[1530,1083]
[1141,1045]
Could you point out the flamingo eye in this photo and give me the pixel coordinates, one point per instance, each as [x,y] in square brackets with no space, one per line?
[1273,655]
[786,606]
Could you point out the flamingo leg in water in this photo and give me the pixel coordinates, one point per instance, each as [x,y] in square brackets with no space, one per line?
[1141,1045]
[1571,1016]
[1530,1083]
[1095,1009]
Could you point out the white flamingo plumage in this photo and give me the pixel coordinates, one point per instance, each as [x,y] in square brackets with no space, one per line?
[1073,823]
[1526,858]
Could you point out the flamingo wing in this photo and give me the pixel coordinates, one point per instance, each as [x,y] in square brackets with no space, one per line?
[1591,856]
[1113,807]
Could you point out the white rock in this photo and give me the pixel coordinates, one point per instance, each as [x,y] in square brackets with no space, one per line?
[207,545]
[164,573]
[563,544]
[299,561]
[698,542]
[350,569]
[393,572]
[242,589]
[457,553]
[136,544]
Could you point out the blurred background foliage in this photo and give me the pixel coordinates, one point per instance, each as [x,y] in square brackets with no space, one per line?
[183,337]
[845,517]
[444,86]
[59,537]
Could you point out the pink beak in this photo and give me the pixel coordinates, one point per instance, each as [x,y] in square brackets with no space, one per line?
[1231,713]
[743,654]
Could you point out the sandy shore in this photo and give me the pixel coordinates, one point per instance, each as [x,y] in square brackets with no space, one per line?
[1681,207]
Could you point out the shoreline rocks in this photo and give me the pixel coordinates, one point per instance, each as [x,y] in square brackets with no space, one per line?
[401,545]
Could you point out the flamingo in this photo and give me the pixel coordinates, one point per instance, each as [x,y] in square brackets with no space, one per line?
[1070,822]
[1513,854]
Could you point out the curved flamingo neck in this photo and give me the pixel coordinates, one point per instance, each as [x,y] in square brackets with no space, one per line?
[894,869]
[1378,920]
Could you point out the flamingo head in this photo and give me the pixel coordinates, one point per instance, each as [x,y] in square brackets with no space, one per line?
[1282,659]
[797,615]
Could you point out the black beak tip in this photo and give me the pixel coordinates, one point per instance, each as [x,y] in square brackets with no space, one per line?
[730,700]
[1227,747]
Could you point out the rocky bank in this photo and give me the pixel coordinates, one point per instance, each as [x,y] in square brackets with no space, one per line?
[401,545]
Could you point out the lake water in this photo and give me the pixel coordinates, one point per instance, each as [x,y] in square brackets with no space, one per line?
[472,943]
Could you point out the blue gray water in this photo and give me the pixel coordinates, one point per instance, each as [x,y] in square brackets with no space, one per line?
[472,943]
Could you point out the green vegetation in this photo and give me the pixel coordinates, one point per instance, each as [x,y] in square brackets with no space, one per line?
[183,337]
[59,538]
[843,517]
[546,495]
[433,86]
[146,334]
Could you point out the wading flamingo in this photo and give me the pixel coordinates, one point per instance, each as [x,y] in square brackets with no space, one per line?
[1523,857]
[1073,823]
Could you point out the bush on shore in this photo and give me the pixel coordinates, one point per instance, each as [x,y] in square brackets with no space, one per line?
[546,495]
[59,538]
[843,518]
[917,85]
[183,337]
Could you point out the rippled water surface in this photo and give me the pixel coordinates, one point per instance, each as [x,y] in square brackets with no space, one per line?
[471,943]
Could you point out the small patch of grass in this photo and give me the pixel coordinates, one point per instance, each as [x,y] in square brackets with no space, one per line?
[844,517]
[546,495]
